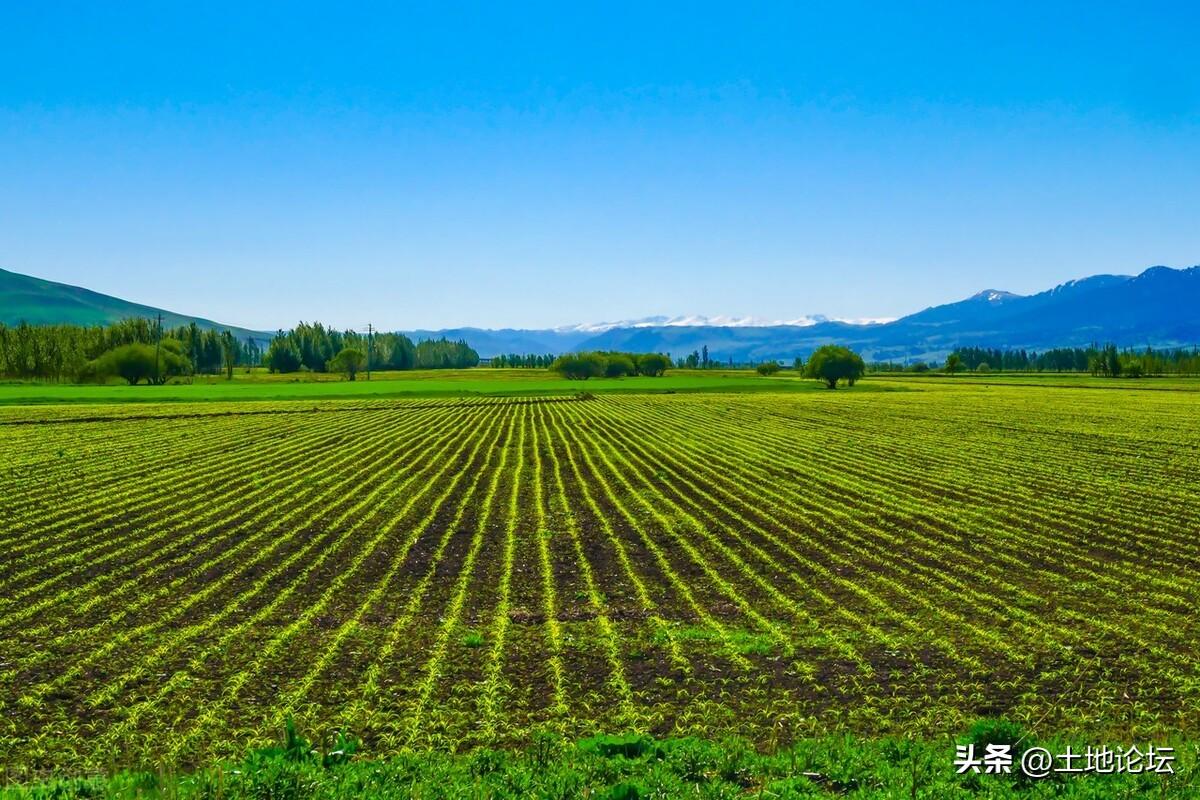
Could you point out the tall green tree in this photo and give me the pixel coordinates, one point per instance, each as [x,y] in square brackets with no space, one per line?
[832,363]
[349,361]
[282,355]
[652,364]
[1112,361]
[228,353]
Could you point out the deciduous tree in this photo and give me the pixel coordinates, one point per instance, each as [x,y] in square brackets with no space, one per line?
[832,363]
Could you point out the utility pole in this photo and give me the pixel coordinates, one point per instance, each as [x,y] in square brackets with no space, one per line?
[158,351]
[370,332]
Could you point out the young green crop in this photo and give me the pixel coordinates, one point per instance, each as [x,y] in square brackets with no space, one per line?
[449,573]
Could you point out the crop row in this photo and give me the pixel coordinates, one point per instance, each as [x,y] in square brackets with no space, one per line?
[450,573]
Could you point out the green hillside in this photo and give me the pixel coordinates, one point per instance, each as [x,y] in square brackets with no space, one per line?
[42,302]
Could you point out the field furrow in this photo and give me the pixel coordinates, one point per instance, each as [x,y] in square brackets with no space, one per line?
[178,581]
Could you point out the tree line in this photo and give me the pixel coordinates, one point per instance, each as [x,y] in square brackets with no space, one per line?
[316,348]
[527,361]
[609,364]
[72,352]
[700,359]
[138,349]
[1107,360]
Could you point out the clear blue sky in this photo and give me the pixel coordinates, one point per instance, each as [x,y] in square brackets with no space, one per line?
[528,165]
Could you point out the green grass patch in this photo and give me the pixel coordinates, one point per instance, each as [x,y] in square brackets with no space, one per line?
[481,381]
[616,766]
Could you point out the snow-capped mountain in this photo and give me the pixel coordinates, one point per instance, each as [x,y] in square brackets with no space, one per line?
[719,321]
[995,296]
[1160,308]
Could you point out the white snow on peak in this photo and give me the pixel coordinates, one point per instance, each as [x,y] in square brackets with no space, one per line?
[719,321]
[1092,282]
[994,295]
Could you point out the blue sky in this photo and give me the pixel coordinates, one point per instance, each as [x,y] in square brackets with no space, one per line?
[436,165]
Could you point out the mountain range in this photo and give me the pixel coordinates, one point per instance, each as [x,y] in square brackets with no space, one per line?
[1159,307]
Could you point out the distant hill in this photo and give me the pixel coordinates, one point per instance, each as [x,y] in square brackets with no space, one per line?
[1158,308]
[24,298]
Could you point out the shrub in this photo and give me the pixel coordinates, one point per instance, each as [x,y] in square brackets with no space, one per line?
[618,365]
[580,366]
[767,368]
[136,362]
[348,361]
[652,364]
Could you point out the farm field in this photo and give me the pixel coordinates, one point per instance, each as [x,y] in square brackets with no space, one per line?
[479,381]
[1076,380]
[260,385]
[178,579]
